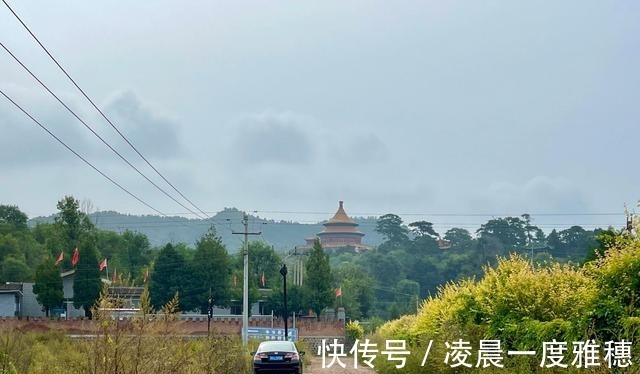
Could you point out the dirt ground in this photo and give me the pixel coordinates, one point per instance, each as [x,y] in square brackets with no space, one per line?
[316,367]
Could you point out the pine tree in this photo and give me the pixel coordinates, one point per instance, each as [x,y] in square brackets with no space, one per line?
[211,269]
[172,274]
[86,280]
[318,291]
[48,286]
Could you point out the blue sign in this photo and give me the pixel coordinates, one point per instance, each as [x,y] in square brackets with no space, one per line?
[267,333]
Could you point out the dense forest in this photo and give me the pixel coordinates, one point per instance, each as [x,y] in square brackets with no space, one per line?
[410,263]
[414,260]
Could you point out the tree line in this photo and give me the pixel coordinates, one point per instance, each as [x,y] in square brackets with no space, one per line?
[414,260]
[196,275]
[385,282]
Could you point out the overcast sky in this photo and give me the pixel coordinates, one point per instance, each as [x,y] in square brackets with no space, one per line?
[470,107]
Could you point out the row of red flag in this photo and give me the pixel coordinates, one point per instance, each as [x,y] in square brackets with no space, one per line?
[102,266]
[74,258]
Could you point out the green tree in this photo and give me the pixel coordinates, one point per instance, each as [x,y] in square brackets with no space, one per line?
[604,240]
[263,260]
[9,246]
[422,229]
[86,279]
[553,241]
[171,274]
[407,294]
[510,231]
[48,286]
[73,225]
[295,301]
[385,268]
[212,269]
[135,254]
[357,290]
[11,216]
[457,236]
[391,227]
[15,270]
[576,242]
[318,282]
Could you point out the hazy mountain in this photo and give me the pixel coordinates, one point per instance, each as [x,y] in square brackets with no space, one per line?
[283,235]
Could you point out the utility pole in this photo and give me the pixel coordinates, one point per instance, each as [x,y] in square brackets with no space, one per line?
[245,288]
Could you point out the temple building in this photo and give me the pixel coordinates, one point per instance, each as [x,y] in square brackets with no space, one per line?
[339,232]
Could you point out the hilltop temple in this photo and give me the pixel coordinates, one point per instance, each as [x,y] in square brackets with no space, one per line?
[339,232]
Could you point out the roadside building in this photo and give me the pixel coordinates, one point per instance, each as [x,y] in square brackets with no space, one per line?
[10,299]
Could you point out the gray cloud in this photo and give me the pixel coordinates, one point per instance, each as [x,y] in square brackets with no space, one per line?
[415,110]
[280,139]
[358,149]
[154,135]
[24,144]
[538,194]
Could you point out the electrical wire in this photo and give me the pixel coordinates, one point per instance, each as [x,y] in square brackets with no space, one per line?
[99,110]
[93,131]
[79,156]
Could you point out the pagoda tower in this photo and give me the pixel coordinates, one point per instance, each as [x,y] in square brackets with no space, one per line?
[340,231]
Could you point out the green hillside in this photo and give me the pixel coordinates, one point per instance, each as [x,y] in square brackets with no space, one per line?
[283,235]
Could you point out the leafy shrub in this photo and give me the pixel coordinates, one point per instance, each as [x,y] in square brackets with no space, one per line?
[515,303]
[353,331]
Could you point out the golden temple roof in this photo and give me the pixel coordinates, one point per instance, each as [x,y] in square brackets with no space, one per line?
[341,216]
[340,223]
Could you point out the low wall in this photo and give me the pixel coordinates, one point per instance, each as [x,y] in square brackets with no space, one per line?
[314,342]
[190,326]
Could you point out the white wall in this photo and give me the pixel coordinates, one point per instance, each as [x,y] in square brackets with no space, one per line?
[8,305]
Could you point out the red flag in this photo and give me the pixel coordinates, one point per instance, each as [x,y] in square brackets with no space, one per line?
[338,291]
[60,257]
[114,277]
[75,257]
[145,276]
[263,280]
[103,264]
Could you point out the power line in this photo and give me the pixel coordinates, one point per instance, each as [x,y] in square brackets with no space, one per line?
[443,214]
[78,155]
[370,215]
[94,132]
[316,223]
[98,109]
[433,214]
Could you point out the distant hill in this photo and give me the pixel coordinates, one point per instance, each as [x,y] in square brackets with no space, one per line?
[283,235]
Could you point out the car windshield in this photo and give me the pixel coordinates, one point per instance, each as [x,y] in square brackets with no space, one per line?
[277,346]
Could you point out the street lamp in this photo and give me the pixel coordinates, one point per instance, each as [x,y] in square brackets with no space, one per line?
[283,271]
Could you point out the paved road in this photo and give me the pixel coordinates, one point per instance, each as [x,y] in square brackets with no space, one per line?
[316,367]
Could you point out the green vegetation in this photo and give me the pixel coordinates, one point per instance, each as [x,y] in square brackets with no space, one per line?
[523,306]
[211,269]
[415,260]
[48,286]
[386,282]
[142,344]
[318,290]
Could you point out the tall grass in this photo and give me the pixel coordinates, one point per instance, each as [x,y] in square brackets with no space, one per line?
[146,344]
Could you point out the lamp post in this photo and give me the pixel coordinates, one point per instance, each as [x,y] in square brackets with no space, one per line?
[283,271]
